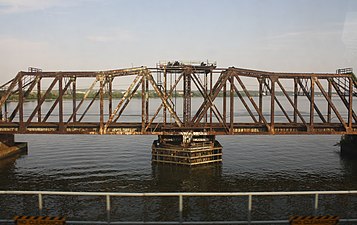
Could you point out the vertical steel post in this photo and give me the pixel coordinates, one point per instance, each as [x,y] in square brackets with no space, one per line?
[143,104]
[295,99]
[260,79]
[21,105]
[225,102]
[165,95]
[186,98]
[210,95]
[231,105]
[6,112]
[110,97]
[60,104]
[312,103]
[101,103]
[350,101]
[206,90]
[147,100]
[272,105]
[329,92]
[1,114]
[74,99]
[39,99]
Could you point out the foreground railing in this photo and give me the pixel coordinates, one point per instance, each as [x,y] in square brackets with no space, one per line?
[180,200]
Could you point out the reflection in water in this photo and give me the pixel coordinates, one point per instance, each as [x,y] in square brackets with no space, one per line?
[186,179]
[349,167]
[9,162]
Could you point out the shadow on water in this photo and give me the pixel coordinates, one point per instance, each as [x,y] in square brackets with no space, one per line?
[349,166]
[8,167]
[187,179]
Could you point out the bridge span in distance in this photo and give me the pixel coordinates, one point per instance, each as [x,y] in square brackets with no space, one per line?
[185,103]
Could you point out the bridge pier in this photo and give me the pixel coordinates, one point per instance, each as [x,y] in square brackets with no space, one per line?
[186,149]
[348,145]
[9,147]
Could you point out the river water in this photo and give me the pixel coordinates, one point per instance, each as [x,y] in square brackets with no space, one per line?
[123,164]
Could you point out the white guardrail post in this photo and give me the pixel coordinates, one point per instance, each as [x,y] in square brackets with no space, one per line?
[250,208]
[316,203]
[108,208]
[40,204]
[180,208]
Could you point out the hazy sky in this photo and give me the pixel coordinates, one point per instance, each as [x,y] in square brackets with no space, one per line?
[305,35]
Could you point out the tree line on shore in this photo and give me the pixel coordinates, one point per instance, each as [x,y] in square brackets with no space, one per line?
[138,94]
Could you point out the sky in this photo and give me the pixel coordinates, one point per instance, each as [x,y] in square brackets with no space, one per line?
[272,35]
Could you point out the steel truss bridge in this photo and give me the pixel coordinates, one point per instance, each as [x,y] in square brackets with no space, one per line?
[230,101]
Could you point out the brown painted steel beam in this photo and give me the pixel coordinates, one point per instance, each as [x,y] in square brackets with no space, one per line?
[164,101]
[143,101]
[122,100]
[165,94]
[214,108]
[260,80]
[207,103]
[272,105]
[10,89]
[31,85]
[252,101]
[54,104]
[293,104]
[83,99]
[308,95]
[224,102]
[231,105]
[162,104]
[127,100]
[90,103]
[101,103]
[329,91]
[278,102]
[245,104]
[257,73]
[350,101]
[187,96]
[21,104]
[39,112]
[341,95]
[331,104]
[35,111]
[312,102]
[74,98]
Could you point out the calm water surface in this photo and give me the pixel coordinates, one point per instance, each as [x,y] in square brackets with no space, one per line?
[123,163]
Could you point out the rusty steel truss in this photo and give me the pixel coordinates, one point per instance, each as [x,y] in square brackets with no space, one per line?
[177,98]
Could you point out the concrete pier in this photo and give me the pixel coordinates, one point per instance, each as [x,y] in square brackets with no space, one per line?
[8,146]
[348,145]
[186,149]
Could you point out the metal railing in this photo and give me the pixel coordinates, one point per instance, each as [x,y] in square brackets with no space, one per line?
[180,196]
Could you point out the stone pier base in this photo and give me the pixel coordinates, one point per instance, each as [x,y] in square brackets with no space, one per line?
[348,145]
[186,149]
[8,146]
